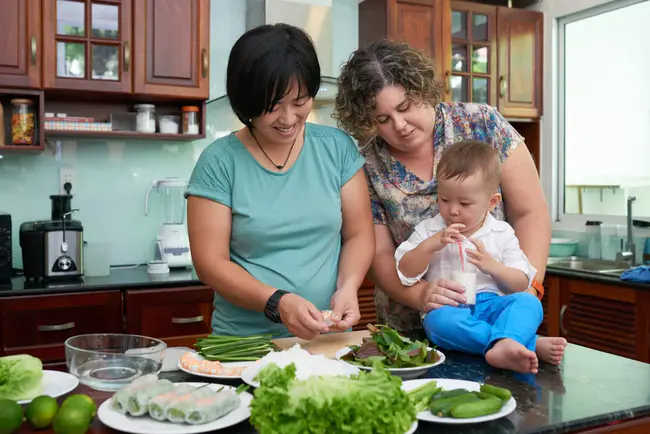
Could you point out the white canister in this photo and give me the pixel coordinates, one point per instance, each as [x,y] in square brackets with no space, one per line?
[146,118]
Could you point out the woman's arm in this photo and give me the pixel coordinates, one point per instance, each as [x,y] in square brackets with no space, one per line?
[357,249]
[526,207]
[209,225]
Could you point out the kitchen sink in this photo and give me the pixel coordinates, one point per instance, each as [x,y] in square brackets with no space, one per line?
[592,265]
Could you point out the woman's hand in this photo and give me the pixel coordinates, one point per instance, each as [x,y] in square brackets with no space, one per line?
[301,317]
[440,293]
[345,310]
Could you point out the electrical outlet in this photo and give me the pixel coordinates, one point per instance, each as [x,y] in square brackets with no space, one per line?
[67,174]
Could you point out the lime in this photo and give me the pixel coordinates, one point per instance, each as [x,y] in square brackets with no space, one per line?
[11,416]
[41,411]
[83,402]
[71,420]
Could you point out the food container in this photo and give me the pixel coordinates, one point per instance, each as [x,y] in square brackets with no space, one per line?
[22,122]
[168,124]
[190,120]
[562,247]
[146,118]
[109,362]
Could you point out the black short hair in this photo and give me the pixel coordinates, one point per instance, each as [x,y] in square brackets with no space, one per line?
[261,65]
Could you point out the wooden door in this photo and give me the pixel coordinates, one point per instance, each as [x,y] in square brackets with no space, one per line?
[87,45]
[424,25]
[20,43]
[520,37]
[172,48]
[471,71]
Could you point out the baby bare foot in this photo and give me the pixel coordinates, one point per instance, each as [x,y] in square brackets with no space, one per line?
[550,350]
[511,355]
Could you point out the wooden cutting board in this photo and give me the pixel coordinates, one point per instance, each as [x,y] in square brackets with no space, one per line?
[327,344]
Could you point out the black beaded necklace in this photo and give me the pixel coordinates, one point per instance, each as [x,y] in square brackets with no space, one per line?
[277,166]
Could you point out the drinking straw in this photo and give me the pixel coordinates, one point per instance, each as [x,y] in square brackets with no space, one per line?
[462,260]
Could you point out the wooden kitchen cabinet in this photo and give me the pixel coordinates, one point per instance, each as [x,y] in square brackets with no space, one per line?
[366,296]
[20,44]
[177,316]
[172,46]
[39,325]
[88,45]
[424,24]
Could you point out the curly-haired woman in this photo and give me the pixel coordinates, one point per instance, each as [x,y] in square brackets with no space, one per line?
[388,91]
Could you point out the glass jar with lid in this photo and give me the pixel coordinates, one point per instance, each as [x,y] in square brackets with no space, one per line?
[23,123]
[190,120]
[146,118]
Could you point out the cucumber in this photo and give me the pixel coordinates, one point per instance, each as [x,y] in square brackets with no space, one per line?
[499,392]
[482,395]
[442,407]
[449,393]
[481,407]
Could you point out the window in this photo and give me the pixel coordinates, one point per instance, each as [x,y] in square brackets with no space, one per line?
[604,110]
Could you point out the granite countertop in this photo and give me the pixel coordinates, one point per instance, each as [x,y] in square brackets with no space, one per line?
[594,276]
[589,389]
[120,278]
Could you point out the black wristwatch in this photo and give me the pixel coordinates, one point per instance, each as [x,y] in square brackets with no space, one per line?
[271,309]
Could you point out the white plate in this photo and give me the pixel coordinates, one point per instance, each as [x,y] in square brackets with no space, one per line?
[217,377]
[55,384]
[146,425]
[414,427]
[249,374]
[405,373]
[448,384]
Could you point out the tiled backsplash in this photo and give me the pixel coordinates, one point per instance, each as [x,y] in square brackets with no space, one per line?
[112,178]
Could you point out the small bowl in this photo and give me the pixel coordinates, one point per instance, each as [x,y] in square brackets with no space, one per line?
[562,247]
[108,362]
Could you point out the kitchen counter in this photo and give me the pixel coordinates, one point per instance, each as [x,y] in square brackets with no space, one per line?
[595,276]
[590,389]
[127,278]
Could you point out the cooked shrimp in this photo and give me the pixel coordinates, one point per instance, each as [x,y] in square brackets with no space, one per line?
[191,363]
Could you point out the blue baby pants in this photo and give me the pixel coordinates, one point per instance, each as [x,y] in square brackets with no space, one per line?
[474,330]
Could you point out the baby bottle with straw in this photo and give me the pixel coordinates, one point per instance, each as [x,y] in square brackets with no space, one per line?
[462,271]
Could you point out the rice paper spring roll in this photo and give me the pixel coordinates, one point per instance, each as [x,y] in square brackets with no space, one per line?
[210,408]
[158,404]
[138,403]
[175,412]
[121,397]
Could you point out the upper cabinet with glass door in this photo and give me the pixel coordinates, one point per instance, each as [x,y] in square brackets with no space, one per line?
[473,68]
[87,45]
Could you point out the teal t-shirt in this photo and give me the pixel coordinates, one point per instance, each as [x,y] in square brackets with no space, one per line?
[286,226]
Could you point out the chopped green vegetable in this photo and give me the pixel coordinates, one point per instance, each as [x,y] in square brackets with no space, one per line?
[392,349]
[421,395]
[234,348]
[20,377]
[368,403]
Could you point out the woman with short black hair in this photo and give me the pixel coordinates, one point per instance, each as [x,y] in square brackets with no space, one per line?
[278,212]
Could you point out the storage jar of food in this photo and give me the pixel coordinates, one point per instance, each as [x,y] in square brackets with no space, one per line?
[22,122]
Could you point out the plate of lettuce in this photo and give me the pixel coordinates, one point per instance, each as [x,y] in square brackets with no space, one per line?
[22,379]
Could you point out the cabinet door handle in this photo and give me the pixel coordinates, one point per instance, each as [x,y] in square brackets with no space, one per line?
[204,53]
[562,312]
[56,328]
[191,320]
[448,82]
[127,56]
[34,48]
[503,86]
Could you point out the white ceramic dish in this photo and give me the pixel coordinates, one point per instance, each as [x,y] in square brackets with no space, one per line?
[405,373]
[249,374]
[146,425]
[217,377]
[449,384]
[56,384]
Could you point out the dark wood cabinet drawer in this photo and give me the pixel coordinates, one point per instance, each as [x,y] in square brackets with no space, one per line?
[39,325]
[175,315]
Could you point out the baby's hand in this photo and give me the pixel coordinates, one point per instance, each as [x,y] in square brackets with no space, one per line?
[451,234]
[480,257]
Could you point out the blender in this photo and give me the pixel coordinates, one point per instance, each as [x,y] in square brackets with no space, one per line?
[172,236]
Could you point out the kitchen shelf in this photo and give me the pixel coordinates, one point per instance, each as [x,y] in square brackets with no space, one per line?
[132,135]
[37,96]
[21,149]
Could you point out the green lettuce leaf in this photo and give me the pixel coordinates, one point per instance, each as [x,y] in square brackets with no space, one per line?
[20,377]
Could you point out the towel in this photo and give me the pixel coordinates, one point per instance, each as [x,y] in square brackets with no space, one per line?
[637,274]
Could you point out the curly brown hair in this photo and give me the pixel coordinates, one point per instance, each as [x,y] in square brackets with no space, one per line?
[374,67]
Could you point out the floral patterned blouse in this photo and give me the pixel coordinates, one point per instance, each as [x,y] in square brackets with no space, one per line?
[400,200]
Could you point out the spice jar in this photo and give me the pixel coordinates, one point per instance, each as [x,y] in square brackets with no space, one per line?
[190,120]
[22,122]
[146,118]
